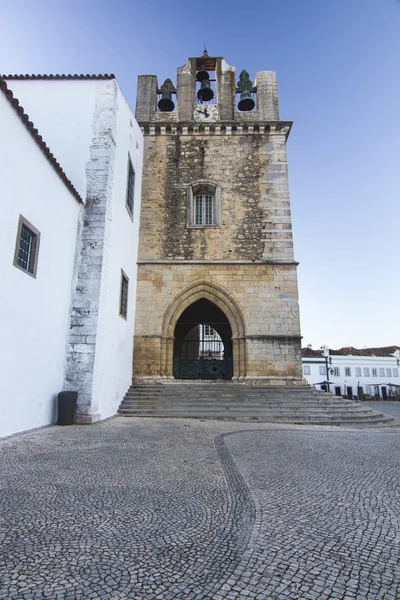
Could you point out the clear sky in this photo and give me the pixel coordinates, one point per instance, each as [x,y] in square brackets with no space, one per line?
[337,63]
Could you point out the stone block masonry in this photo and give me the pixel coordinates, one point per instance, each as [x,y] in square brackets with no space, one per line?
[271,350]
[92,256]
[242,262]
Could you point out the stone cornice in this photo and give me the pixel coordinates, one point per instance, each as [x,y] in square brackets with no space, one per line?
[217,262]
[222,128]
[273,337]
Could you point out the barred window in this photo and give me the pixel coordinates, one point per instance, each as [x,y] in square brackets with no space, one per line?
[123,297]
[204,209]
[204,205]
[130,192]
[26,247]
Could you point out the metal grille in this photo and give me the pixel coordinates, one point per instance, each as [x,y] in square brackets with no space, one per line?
[204,209]
[203,342]
[26,249]
[124,297]
[131,188]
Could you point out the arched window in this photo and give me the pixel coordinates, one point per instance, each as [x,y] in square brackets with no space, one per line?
[204,205]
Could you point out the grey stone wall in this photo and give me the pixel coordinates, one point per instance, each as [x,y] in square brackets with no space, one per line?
[92,255]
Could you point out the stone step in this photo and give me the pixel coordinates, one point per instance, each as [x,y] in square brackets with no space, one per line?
[248,403]
[262,418]
[240,403]
[244,406]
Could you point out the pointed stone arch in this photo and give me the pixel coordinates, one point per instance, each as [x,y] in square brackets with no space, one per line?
[220,297]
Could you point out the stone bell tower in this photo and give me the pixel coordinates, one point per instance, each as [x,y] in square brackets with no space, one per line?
[217,284]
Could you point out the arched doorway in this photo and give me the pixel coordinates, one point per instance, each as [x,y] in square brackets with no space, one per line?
[218,296]
[203,343]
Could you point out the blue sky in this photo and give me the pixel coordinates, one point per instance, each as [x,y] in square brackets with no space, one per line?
[337,64]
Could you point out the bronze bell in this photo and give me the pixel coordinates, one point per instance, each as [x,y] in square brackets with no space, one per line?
[202,74]
[205,92]
[246,102]
[166,104]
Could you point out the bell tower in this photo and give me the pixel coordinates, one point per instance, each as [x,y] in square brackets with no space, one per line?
[217,284]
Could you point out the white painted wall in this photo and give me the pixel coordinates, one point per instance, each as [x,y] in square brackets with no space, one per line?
[62,111]
[114,347]
[352,362]
[33,312]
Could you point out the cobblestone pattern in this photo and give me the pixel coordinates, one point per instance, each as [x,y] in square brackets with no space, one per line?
[328,515]
[161,509]
[117,511]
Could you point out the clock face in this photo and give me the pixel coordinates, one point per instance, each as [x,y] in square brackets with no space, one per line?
[205,113]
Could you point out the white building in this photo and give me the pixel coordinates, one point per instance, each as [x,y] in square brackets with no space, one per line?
[353,372]
[70,215]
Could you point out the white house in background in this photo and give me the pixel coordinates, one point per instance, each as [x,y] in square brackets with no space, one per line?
[353,372]
[70,217]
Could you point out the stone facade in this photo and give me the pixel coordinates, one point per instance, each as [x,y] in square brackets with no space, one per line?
[243,262]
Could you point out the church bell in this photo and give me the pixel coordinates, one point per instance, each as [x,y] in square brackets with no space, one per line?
[202,74]
[246,102]
[205,92]
[166,104]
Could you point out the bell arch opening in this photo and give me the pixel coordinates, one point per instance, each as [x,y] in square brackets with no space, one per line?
[203,343]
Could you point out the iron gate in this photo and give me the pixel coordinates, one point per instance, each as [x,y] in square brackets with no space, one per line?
[201,354]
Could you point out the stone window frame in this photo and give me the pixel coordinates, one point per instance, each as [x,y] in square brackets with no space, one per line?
[374,372]
[336,371]
[306,370]
[347,372]
[358,372]
[205,187]
[130,188]
[34,253]
[123,299]
[366,372]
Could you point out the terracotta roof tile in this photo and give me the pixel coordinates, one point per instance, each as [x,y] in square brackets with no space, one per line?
[38,138]
[351,351]
[57,76]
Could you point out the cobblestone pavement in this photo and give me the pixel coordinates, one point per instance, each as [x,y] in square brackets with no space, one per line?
[151,509]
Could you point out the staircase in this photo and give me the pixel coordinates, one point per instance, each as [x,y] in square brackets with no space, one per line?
[231,401]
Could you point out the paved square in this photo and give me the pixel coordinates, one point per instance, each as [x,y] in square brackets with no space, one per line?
[158,509]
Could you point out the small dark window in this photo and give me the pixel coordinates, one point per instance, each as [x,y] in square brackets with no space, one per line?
[123,300]
[26,247]
[130,193]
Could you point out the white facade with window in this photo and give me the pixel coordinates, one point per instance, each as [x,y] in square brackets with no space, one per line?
[34,307]
[62,325]
[352,374]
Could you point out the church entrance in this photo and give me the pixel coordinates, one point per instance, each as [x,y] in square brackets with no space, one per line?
[203,343]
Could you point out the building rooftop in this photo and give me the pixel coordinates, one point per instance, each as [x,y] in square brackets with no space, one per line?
[14,102]
[351,351]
